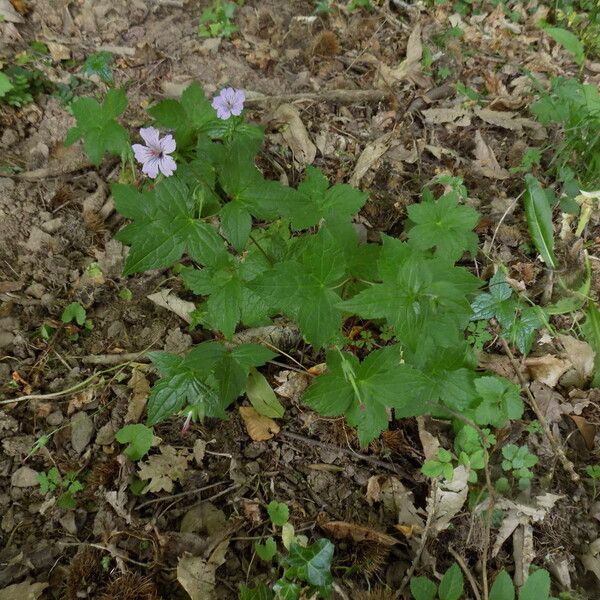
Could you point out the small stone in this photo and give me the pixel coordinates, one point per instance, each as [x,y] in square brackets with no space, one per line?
[38,239]
[9,137]
[24,477]
[106,434]
[18,445]
[68,522]
[53,225]
[36,290]
[54,419]
[255,449]
[82,429]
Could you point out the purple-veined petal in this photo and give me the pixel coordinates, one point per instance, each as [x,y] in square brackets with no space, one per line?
[167,165]
[150,136]
[168,144]
[142,153]
[150,167]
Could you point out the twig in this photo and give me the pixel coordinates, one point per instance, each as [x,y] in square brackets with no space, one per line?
[179,495]
[565,462]
[463,565]
[374,461]
[113,359]
[120,50]
[46,172]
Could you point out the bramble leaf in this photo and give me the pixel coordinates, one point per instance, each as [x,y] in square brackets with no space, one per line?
[500,401]
[164,227]
[139,437]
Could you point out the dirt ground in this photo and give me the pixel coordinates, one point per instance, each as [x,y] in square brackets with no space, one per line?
[56,228]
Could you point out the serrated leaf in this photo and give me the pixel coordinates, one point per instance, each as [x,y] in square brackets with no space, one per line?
[279,513]
[539,220]
[266,551]
[5,84]
[422,588]
[209,378]
[500,401]
[165,228]
[452,584]
[97,126]
[420,296]
[444,225]
[139,439]
[537,586]
[236,223]
[262,397]
[304,287]
[286,590]
[363,392]
[311,564]
[503,587]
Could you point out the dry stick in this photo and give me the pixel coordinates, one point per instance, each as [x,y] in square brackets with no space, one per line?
[114,359]
[179,495]
[341,96]
[463,565]
[565,462]
[363,457]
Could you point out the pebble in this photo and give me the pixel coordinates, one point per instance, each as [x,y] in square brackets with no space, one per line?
[55,418]
[53,225]
[36,290]
[24,477]
[82,429]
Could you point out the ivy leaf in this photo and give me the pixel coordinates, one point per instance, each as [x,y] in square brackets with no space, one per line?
[311,564]
[97,125]
[139,437]
[278,512]
[316,201]
[209,378]
[164,227]
[230,298]
[452,584]
[266,551]
[304,287]
[286,590]
[444,225]
[363,391]
[539,220]
[500,401]
[420,297]
[260,592]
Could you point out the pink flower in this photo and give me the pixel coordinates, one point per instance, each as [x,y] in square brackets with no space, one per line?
[229,102]
[154,156]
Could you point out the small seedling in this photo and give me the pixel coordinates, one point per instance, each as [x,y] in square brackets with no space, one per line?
[216,21]
[593,472]
[99,64]
[442,467]
[139,439]
[52,481]
[518,461]
[74,312]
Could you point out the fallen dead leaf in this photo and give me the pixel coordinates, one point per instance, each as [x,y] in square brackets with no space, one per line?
[23,591]
[58,51]
[358,533]
[8,13]
[291,384]
[163,469]
[373,494]
[182,308]
[457,116]
[580,354]
[80,400]
[510,120]
[287,119]
[199,451]
[197,575]
[546,369]
[259,428]
[429,442]
[587,430]
[485,161]
[370,155]
[140,390]
[448,500]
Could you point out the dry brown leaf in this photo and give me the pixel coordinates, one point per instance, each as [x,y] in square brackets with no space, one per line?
[197,575]
[287,119]
[140,390]
[448,500]
[182,308]
[58,51]
[429,442]
[485,161]
[587,430]
[510,120]
[80,400]
[373,490]
[163,469]
[547,369]
[580,354]
[259,428]
[548,400]
[291,384]
[370,155]
[199,451]
[457,116]
[358,533]
[499,364]
[23,591]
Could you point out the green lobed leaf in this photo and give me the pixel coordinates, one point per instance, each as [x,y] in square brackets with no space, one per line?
[266,551]
[286,590]
[5,84]
[500,401]
[311,564]
[279,513]
[74,312]
[503,588]
[452,584]
[260,592]
[139,439]
[539,220]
